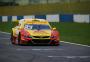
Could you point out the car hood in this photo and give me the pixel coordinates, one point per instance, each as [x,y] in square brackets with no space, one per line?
[40,32]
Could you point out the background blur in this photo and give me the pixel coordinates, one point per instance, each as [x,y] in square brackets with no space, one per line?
[28,2]
[28,7]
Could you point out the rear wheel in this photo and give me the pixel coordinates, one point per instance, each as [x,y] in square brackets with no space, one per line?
[12,38]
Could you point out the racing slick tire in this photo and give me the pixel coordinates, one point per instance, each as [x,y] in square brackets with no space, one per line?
[55,44]
[12,38]
[19,39]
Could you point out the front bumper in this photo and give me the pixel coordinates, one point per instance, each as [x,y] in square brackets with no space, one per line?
[41,40]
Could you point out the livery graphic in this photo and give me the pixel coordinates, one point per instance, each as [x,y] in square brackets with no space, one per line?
[34,31]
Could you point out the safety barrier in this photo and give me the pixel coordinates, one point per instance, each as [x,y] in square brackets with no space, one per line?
[80,18]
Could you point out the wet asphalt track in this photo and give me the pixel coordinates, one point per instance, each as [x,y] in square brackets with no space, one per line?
[63,53]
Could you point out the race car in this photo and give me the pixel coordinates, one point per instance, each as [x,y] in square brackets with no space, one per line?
[34,32]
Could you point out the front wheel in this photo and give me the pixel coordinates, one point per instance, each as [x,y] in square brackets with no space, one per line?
[56,43]
[19,39]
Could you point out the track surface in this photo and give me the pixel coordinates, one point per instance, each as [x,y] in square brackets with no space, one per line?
[63,53]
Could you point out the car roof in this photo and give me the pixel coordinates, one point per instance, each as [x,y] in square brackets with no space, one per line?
[22,22]
[35,21]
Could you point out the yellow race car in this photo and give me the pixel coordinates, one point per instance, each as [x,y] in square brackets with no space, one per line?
[34,31]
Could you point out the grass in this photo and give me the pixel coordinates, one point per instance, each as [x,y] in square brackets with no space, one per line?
[74,32]
[71,32]
[7,26]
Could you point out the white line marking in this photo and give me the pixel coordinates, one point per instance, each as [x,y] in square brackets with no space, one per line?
[4,32]
[39,49]
[47,49]
[75,44]
[69,56]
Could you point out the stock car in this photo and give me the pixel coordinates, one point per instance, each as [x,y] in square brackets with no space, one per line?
[34,31]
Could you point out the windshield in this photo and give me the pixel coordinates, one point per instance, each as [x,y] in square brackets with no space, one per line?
[36,27]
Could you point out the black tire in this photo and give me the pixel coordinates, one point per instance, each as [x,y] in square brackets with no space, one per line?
[56,44]
[19,39]
[12,38]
